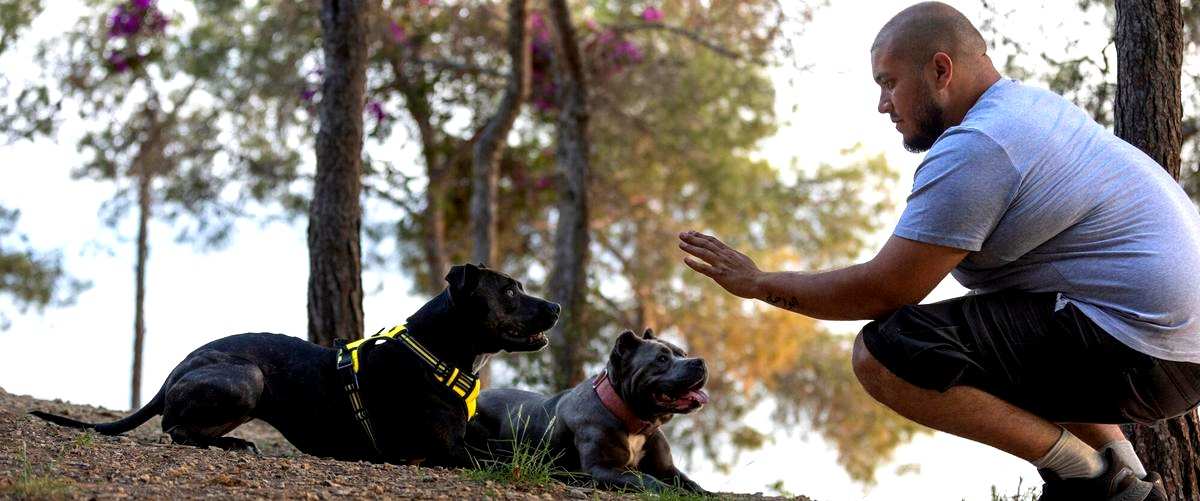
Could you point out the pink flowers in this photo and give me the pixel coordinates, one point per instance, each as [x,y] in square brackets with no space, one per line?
[398,33]
[652,15]
[131,19]
[606,51]
[128,19]
[118,62]
[123,22]
[627,52]
[375,108]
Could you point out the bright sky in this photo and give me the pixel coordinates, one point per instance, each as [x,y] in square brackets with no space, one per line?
[83,353]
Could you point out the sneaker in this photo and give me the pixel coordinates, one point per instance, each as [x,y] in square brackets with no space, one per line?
[1118,483]
[1157,491]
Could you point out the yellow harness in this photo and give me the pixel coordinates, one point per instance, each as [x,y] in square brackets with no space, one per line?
[464,384]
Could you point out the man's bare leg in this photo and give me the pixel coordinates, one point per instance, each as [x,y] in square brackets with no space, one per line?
[1096,435]
[962,410]
[1102,436]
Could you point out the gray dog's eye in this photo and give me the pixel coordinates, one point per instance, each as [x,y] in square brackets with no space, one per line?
[662,359]
[510,293]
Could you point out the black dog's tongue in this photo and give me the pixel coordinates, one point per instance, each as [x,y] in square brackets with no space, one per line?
[698,397]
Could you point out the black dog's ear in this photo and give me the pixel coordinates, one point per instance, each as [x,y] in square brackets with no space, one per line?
[649,334]
[482,266]
[627,342]
[462,279]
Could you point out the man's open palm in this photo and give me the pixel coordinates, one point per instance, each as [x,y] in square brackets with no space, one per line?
[731,269]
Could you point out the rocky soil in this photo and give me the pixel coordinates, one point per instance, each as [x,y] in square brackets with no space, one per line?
[39,460]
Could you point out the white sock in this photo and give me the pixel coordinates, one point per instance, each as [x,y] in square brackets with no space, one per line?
[1124,452]
[1072,458]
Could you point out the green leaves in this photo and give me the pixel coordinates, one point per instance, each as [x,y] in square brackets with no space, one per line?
[15,16]
[31,278]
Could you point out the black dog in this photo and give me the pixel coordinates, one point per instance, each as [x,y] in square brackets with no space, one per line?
[297,387]
[607,426]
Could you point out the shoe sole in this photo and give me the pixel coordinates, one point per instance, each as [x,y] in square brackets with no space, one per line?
[1136,492]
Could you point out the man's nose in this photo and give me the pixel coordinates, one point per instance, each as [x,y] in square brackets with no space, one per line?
[885,104]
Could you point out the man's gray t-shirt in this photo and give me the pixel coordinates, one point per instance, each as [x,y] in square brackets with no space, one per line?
[1047,200]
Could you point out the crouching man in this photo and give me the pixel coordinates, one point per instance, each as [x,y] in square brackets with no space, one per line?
[1081,253]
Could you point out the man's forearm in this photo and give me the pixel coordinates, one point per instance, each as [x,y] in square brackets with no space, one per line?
[844,294]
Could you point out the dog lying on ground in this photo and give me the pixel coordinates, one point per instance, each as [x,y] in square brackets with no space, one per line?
[410,402]
[607,426]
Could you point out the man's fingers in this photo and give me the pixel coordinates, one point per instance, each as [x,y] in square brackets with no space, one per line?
[704,268]
[702,240]
[700,252]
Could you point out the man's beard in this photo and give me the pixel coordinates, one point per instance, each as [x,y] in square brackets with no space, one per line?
[931,123]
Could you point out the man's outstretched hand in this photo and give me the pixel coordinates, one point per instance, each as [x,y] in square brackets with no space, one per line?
[729,268]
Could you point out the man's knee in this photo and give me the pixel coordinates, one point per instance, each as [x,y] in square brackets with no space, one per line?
[867,369]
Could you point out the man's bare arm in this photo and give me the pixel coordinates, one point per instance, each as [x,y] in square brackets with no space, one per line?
[902,273]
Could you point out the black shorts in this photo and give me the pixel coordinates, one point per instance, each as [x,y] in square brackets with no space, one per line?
[1014,345]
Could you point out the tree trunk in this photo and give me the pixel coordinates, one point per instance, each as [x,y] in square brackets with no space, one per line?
[139,309]
[485,165]
[1148,114]
[1149,110]
[568,275]
[335,216]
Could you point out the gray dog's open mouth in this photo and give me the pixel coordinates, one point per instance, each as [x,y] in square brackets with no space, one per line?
[689,400]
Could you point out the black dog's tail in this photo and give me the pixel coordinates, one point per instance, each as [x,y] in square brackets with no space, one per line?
[152,408]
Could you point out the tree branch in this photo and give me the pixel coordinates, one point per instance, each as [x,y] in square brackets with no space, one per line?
[690,35]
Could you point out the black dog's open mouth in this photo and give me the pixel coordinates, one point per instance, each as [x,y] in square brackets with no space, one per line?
[686,401]
[536,340]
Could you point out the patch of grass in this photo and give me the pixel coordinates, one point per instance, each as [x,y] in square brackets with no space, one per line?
[30,485]
[531,464]
[1028,494]
[672,493]
[84,439]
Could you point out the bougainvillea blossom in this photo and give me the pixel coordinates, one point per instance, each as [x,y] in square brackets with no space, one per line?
[375,108]
[398,33]
[652,15]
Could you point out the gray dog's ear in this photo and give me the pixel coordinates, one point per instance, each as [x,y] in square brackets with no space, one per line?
[462,279]
[649,334]
[627,342]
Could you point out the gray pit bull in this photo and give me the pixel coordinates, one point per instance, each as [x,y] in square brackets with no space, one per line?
[607,426]
[296,385]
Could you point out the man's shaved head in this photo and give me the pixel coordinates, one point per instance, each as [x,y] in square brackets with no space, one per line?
[920,31]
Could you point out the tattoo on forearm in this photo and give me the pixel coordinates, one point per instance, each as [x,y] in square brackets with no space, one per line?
[790,303]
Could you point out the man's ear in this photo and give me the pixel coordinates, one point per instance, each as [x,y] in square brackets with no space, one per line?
[462,280]
[943,70]
[648,334]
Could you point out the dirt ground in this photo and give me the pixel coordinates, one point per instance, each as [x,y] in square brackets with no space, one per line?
[39,460]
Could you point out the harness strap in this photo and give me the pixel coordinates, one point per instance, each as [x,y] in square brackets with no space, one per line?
[347,368]
[464,384]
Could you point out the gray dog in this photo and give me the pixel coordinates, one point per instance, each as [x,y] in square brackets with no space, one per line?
[608,425]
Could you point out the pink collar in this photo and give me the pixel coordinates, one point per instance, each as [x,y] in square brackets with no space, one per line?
[619,409]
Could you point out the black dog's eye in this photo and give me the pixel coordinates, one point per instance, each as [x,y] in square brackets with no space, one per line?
[510,293]
[662,359]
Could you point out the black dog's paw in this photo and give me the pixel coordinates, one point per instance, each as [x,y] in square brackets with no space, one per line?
[236,444]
